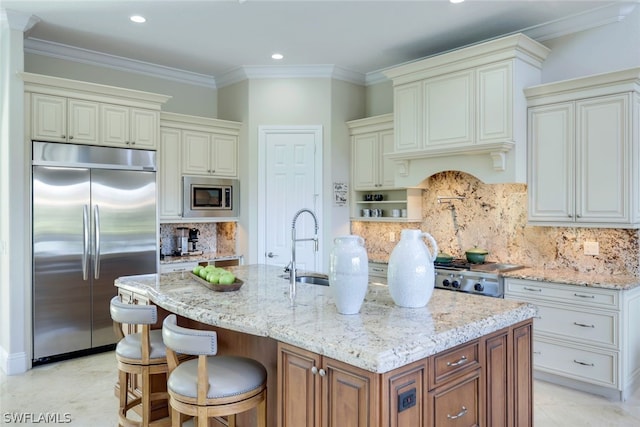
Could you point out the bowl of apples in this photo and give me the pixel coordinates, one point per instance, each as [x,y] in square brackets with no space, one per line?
[216,278]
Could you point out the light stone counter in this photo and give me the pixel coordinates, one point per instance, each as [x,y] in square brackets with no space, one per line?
[571,277]
[380,338]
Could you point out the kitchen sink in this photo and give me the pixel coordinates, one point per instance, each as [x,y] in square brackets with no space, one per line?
[310,278]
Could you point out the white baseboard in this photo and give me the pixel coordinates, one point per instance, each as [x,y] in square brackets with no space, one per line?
[13,363]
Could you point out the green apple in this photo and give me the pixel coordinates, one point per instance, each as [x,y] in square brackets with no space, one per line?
[213,278]
[196,269]
[210,268]
[203,273]
[227,278]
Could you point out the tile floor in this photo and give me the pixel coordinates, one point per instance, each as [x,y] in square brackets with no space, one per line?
[79,393]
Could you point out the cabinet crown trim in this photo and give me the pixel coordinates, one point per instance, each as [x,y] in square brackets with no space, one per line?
[84,90]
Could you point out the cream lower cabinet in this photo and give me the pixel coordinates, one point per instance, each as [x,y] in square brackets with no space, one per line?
[583,151]
[584,337]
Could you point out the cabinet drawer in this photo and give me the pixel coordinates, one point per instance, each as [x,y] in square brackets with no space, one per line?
[453,363]
[181,266]
[580,363]
[588,327]
[568,294]
[457,406]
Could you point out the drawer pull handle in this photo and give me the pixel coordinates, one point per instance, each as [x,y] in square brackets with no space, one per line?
[459,362]
[532,289]
[582,363]
[462,413]
[584,325]
[537,352]
[584,296]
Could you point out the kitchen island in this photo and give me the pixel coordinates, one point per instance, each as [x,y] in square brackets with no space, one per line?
[463,357]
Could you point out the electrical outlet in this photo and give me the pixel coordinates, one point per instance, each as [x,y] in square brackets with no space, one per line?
[591,248]
[392,236]
[406,400]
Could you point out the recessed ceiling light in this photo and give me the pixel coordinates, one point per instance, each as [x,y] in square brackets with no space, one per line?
[138,19]
[456,1]
[277,56]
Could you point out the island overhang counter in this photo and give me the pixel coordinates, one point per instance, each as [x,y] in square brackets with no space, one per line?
[396,351]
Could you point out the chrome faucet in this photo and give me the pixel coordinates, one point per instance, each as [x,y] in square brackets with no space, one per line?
[292,265]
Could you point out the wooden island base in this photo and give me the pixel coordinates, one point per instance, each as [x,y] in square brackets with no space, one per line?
[485,382]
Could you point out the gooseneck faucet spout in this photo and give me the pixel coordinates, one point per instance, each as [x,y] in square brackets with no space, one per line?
[294,239]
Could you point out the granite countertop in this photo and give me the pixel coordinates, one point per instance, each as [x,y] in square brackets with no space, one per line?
[572,277]
[380,338]
[204,257]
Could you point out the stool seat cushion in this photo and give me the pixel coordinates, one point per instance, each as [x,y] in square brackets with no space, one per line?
[130,346]
[228,376]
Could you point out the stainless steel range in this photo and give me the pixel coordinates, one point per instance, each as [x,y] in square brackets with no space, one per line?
[482,279]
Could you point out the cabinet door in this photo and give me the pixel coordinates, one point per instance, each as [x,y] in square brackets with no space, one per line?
[408,116]
[224,155]
[449,110]
[387,168]
[298,388]
[349,396]
[365,161]
[83,121]
[523,376]
[114,120]
[169,187]
[551,163]
[495,103]
[602,152]
[144,129]
[49,117]
[498,385]
[196,152]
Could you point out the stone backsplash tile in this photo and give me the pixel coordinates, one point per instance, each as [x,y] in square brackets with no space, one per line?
[494,217]
[218,238]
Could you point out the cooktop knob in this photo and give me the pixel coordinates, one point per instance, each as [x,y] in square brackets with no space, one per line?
[455,284]
[478,287]
[446,283]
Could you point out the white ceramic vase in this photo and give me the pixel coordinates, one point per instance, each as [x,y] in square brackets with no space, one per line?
[348,273]
[410,274]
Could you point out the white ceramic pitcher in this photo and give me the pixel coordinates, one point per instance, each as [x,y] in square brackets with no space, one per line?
[410,274]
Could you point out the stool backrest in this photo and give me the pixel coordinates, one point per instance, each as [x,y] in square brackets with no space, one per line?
[135,314]
[188,341]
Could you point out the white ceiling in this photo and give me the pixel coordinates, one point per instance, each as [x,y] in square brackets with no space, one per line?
[213,38]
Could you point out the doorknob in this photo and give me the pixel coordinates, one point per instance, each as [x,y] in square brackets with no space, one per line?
[271,255]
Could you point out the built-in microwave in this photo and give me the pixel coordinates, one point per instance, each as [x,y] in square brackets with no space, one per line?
[210,197]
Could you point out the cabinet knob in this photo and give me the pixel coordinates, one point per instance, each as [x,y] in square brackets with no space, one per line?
[63,136]
[71,137]
[133,143]
[314,370]
[322,372]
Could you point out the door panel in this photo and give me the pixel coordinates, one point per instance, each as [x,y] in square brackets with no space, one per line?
[61,309]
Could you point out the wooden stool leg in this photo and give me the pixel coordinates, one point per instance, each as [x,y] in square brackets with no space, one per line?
[262,414]
[203,419]
[231,420]
[176,417]
[145,384]
[122,379]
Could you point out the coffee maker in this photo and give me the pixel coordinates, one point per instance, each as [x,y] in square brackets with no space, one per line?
[182,240]
[193,239]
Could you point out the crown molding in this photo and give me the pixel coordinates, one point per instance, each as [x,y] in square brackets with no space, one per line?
[90,57]
[249,72]
[17,20]
[585,21]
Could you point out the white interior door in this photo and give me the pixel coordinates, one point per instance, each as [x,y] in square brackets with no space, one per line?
[290,164]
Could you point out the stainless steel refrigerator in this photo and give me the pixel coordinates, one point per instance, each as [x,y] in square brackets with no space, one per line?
[94,219]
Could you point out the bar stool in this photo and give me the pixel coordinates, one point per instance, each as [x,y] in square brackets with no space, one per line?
[210,386]
[142,353]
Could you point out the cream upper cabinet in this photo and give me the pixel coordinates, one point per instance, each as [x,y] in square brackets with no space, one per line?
[61,119]
[408,117]
[206,153]
[63,110]
[583,151]
[129,127]
[169,175]
[370,139]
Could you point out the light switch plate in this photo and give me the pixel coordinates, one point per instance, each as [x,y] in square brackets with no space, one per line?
[591,248]
[392,236]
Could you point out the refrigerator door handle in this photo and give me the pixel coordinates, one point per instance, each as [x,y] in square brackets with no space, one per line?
[96,222]
[85,242]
